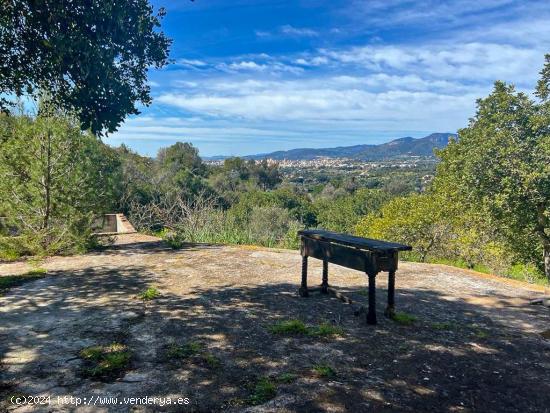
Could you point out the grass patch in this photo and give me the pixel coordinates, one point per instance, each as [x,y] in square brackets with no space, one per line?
[527,273]
[324,371]
[211,360]
[297,327]
[326,329]
[180,352]
[149,294]
[11,281]
[105,362]
[403,318]
[447,325]
[192,349]
[287,378]
[37,271]
[480,333]
[289,327]
[264,390]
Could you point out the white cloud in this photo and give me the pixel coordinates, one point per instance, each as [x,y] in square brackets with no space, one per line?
[191,63]
[344,93]
[295,102]
[470,61]
[314,61]
[270,66]
[289,30]
[262,33]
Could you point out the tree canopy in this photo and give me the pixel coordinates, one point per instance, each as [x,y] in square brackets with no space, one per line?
[501,162]
[91,56]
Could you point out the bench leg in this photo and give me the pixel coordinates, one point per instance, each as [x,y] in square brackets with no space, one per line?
[303,288]
[324,285]
[390,309]
[371,315]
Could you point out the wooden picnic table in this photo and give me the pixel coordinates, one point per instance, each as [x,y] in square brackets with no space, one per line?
[369,255]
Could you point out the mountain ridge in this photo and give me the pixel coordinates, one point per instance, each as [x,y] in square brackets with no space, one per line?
[400,147]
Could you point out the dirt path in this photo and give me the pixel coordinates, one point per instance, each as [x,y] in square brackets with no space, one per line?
[475,345]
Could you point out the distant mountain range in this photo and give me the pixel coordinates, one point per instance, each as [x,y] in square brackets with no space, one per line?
[397,148]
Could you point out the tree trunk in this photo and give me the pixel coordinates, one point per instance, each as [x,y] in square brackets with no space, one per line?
[541,229]
[48,182]
[546,253]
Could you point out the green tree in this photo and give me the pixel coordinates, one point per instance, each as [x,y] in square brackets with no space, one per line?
[501,162]
[417,220]
[266,174]
[53,177]
[343,213]
[180,170]
[92,56]
[138,183]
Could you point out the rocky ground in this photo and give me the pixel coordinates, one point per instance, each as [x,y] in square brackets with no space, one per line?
[464,343]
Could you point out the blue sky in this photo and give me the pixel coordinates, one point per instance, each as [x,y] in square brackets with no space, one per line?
[253,76]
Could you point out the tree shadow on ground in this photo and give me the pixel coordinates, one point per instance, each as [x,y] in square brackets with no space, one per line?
[456,356]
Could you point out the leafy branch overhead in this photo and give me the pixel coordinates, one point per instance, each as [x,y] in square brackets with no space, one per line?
[91,56]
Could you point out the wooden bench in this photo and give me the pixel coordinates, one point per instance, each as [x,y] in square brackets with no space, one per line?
[363,254]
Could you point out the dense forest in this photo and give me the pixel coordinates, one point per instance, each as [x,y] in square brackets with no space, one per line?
[488,207]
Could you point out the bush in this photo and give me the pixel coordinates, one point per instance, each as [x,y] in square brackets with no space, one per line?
[271,226]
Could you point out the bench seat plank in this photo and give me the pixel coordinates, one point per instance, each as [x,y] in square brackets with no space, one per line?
[353,241]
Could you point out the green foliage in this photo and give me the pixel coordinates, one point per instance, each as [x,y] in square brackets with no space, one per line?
[53,179]
[37,272]
[324,370]
[92,56]
[298,205]
[297,327]
[501,163]
[105,361]
[445,326]
[415,220]
[211,360]
[264,390]
[239,175]
[527,273]
[10,281]
[326,329]
[289,327]
[341,214]
[187,350]
[403,318]
[149,294]
[287,378]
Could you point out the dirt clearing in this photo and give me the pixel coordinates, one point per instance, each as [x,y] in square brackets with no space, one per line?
[224,327]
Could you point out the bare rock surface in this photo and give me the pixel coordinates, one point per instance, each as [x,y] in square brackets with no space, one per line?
[476,344]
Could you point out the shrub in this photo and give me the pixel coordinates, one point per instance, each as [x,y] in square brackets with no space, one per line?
[149,294]
[264,390]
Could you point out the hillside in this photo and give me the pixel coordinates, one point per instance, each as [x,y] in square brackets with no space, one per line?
[406,146]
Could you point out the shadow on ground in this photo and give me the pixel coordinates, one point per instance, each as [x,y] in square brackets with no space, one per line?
[456,356]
